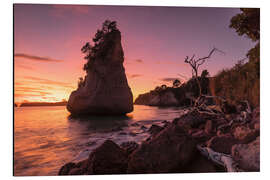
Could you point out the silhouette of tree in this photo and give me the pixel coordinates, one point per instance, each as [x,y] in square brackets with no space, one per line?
[176,83]
[196,63]
[205,73]
[90,51]
[248,23]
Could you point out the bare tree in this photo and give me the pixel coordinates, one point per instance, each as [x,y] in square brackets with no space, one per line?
[196,63]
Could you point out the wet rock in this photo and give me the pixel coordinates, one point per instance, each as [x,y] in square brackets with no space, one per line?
[222,144]
[129,146]
[247,155]
[64,170]
[108,158]
[193,119]
[75,171]
[169,151]
[105,90]
[155,129]
[244,134]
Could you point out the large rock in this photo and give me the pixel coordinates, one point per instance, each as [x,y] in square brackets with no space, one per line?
[106,89]
[108,158]
[244,134]
[169,151]
[222,144]
[247,155]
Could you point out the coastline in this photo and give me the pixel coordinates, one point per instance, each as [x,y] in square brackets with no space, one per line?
[194,139]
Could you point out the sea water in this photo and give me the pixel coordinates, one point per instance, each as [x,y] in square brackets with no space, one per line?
[45,138]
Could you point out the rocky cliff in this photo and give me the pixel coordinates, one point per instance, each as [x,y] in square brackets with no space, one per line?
[105,90]
[181,96]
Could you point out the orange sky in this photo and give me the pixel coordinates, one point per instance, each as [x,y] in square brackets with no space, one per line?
[48,39]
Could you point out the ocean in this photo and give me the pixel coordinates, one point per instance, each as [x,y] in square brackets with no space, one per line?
[45,138]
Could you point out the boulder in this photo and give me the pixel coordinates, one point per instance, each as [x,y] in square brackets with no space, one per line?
[169,151]
[108,158]
[64,170]
[129,146]
[247,155]
[222,144]
[105,90]
[244,134]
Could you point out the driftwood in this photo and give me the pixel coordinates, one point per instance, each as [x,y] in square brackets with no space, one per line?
[219,158]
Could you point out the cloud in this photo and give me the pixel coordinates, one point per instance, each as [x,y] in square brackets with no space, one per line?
[168,79]
[49,82]
[25,67]
[62,10]
[134,75]
[36,58]
[139,60]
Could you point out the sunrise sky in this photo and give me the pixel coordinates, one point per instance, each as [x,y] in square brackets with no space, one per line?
[48,39]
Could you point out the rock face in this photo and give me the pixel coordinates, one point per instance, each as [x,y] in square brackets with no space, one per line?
[247,155]
[108,158]
[106,89]
[170,151]
[155,99]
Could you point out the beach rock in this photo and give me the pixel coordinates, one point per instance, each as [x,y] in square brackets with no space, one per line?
[106,90]
[244,134]
[247,155]
[222,144]
[129,146]
[193,119]
[64,170]
[155,129]
[170,151]
[108,158]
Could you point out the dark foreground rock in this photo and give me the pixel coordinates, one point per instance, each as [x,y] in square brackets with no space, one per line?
[170,151]
[173,148]
[108,158]
[222,144]
[105,89]
[247,155]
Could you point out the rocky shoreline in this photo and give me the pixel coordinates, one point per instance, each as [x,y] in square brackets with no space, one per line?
[196,142]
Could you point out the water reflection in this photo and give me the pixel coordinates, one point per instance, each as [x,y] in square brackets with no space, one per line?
[99,123]
[45,138]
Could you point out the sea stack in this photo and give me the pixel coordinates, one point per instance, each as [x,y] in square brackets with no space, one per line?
[105,90]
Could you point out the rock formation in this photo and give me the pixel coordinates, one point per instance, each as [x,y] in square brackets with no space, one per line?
[105,90]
